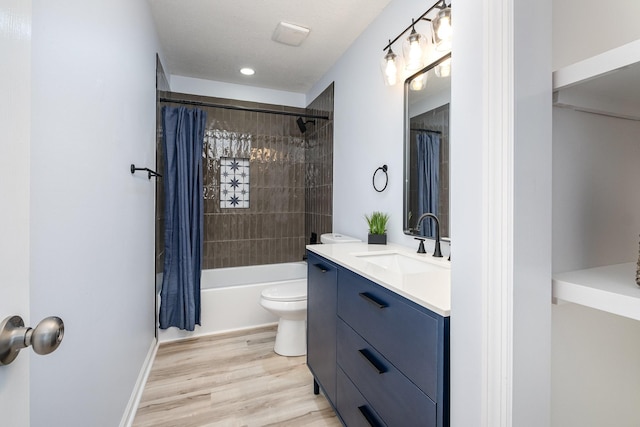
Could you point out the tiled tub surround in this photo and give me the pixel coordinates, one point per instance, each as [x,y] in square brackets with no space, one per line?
[319,167]
[272,228]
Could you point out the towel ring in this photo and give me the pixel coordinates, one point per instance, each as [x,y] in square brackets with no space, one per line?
[384,169]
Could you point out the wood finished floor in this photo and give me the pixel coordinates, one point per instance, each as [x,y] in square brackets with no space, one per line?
[232,379]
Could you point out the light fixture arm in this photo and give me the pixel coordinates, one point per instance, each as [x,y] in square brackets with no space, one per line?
[440,4]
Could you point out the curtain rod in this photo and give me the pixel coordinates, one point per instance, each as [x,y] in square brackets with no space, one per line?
[425,130]
[234,107]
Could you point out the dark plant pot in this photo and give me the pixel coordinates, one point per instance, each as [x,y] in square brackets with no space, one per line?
[377,239]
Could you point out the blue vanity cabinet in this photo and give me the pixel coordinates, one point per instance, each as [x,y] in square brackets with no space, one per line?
[381,359]
[395,352]
[322,294]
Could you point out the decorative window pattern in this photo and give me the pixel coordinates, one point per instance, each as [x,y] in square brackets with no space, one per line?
[234,182]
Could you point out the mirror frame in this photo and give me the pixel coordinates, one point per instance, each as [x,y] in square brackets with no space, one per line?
[407,151]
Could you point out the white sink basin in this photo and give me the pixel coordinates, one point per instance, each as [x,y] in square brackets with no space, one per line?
[398,262]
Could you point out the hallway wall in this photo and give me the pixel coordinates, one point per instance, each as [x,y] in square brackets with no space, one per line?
[91,225]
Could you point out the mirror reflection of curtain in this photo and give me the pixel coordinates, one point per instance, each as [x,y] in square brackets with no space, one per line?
[428,150]
[183,135]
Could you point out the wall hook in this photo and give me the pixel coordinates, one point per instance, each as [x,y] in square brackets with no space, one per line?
[14,336]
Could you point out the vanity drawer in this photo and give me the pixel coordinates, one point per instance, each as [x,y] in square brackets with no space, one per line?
[354,409]
[406,336]
[396,399]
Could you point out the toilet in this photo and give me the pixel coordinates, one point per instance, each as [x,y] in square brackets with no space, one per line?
[288,301]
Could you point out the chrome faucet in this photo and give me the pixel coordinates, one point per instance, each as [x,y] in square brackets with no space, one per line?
[436,251]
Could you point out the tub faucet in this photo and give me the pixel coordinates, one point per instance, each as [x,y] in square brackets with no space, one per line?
[436,251]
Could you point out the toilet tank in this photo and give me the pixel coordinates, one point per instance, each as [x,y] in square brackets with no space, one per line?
[328,238]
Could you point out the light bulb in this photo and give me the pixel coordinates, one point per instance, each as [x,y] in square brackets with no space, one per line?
[391,71]
[389,67]
[442,30]
[415,55]
[414,48]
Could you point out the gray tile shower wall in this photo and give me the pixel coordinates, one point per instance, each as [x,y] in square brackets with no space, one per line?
[272,229]
[319,167]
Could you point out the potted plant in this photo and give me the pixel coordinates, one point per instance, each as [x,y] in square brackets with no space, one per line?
[377,228]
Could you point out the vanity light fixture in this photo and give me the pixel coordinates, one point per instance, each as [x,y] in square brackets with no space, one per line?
[390,67]
[416,45]
[441,26]
[414,49]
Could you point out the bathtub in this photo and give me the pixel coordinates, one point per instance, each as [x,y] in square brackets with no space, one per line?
[230,298]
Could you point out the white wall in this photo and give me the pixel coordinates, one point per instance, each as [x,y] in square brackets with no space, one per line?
[583,28]
[596,204]
[15,101]
[369,128]
[216,89]
[92,222]
[531,263]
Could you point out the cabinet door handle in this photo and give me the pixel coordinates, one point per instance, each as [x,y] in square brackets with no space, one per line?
[373,361]
[371,419]
[321,267]
[373,300]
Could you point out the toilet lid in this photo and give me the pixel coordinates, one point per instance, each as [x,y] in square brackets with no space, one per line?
[296,291]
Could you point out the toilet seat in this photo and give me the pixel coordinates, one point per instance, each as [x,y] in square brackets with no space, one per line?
[296,291]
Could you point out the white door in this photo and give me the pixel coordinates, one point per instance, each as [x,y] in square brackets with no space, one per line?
[15,123]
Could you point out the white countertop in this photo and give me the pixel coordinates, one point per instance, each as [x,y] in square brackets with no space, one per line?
[431,289]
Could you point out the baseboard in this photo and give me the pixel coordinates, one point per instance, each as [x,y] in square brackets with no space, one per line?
[136,394]
[197,334]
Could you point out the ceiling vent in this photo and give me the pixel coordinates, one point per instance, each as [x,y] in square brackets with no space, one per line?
[290,34]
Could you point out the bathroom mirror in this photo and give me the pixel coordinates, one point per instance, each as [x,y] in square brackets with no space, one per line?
[427,95]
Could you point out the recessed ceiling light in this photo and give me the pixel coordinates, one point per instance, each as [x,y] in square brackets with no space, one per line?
[247,71]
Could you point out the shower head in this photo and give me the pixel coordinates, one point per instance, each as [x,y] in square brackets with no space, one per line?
[303,125]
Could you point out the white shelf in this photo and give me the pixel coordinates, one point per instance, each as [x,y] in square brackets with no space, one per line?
[611,288]
[608,83]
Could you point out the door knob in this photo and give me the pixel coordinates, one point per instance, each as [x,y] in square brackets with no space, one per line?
[14,336]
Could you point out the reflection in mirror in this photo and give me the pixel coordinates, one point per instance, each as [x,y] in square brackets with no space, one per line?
[426,149]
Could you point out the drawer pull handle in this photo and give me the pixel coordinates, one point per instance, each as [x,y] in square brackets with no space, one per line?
[375,363]
[321,267]
[366,413]
[373,300]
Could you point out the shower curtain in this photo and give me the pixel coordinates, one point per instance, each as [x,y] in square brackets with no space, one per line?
[183,135]
[428,149]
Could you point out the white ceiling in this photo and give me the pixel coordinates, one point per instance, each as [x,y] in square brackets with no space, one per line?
[213,39]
